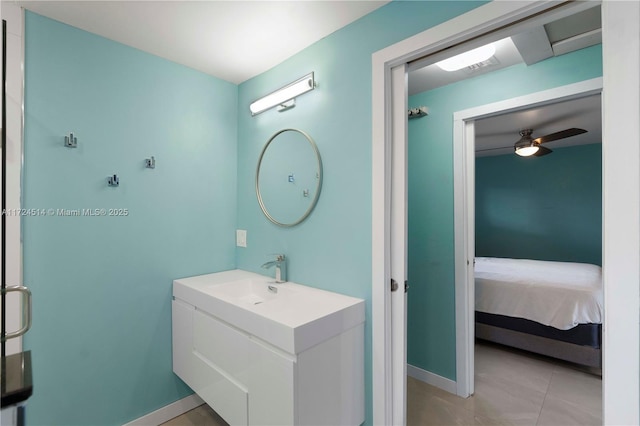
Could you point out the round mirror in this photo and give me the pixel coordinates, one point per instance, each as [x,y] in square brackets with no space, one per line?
[288,177]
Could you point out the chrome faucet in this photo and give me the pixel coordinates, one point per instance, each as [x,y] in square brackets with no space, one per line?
[281,267]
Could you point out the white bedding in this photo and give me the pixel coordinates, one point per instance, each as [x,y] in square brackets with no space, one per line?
[558,294]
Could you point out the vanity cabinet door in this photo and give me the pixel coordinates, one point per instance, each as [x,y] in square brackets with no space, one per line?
[330,381]
[222,346]
[212,359]
[220,353]
[271,386]
[248,381]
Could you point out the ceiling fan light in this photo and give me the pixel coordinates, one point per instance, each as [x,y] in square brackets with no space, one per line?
[527,151]
[526,146]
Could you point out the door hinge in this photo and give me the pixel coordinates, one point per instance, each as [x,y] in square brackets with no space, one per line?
[394,285]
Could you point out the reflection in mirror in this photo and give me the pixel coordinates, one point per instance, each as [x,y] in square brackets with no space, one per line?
[289,177]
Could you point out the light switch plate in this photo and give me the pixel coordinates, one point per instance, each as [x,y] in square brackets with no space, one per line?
[241,238]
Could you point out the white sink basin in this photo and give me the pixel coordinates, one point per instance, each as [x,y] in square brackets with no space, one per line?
[247,292]
[290,316]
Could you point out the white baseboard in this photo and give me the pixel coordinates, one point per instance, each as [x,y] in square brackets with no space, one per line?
[168,412]
[432,379]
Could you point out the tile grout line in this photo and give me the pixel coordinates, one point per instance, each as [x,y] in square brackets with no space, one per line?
[546,393]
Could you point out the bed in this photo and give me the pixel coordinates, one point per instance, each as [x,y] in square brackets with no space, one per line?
[550,308]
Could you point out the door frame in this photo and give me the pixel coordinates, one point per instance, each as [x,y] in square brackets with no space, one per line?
[14,15]
[464,209]
[621,209]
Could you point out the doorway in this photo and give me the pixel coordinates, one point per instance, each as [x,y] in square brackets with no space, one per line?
[620,251]
[510,183]
[464,177]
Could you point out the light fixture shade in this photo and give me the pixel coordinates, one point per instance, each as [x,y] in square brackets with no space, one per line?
[466,59]
[526,146]
[284,94]
[527,151]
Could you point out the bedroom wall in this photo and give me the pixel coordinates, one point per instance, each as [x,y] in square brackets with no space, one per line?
[431,299]
[546,209]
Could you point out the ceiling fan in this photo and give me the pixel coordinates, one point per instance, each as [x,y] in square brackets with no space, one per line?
[528,146]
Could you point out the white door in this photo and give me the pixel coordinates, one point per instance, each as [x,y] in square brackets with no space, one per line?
[464,243]
[399,244]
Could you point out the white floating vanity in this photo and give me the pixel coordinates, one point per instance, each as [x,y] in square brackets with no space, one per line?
[261,353]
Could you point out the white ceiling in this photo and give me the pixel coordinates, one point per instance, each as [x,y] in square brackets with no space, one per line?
[232,40]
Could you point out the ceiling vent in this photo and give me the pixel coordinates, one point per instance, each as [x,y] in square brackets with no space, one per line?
[480,66]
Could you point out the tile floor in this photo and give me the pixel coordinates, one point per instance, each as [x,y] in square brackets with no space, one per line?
[512,388]
[200,416]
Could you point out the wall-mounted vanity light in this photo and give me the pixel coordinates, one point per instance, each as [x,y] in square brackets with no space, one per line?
[284,97]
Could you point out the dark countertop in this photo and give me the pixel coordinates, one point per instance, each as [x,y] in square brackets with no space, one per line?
[17,384]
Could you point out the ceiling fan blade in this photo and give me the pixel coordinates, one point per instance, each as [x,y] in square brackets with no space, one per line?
[542,150]
[560,135]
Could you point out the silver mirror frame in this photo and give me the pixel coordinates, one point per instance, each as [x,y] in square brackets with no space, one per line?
[319,187]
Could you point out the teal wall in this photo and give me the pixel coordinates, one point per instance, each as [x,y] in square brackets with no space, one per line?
[332,248]
[545,208]
[431,301]
[101,336]
[105,283]
[102,286]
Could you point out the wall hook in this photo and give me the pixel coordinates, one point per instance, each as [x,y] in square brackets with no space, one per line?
[71,141]
[420,111]
[113,180]
[150,163]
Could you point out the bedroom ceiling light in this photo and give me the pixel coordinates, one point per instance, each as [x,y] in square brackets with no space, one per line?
[283,95]
[526,146]
[466,59]
[527,151]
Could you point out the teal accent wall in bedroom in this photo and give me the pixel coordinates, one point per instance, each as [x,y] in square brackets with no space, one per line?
[101,335]
[546,209]
[431,300]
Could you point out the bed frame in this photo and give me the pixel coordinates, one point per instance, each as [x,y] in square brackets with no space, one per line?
[580,345]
